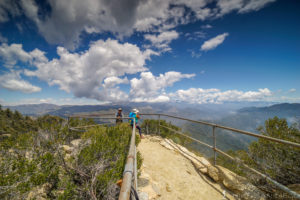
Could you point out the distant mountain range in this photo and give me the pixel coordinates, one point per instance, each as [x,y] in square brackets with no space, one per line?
[247,118]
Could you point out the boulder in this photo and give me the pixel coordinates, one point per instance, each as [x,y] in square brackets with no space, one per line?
[239,185]
[203,161]
[213,172]
[166,145]
[231,180]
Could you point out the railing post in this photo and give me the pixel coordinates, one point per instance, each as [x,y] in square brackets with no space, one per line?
[158,124]
[214,146]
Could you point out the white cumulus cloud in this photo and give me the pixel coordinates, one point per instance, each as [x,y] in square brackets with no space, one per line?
[213,42]
[202,96]
[94,73]
[13,81]
[11,54]
[150,88]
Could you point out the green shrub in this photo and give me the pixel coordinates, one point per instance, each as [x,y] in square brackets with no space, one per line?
[32,157]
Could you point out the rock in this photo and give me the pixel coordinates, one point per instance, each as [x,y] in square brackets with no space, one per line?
[143,196]
[231,180]
[168,188]
[152,190]
[38,193]
[251,192]
[239,185]
[144,180]
[213,173]
[156,189]
[28,155]
[67,148]
[76,142]
[166,145]
[198,165]
[67,156]
[203,161]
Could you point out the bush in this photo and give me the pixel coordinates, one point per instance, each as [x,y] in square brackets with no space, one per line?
[32,158]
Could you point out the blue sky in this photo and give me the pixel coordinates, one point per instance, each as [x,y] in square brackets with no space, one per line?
[197,51]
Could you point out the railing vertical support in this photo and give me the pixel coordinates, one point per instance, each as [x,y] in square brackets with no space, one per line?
[158,124]
[215,145]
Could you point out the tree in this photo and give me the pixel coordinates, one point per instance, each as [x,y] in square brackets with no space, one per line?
[281,162]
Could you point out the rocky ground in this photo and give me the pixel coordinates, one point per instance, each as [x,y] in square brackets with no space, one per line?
[170,171]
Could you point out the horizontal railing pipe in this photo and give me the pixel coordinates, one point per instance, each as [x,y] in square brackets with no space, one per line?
[280,186]
[207,145]
[234,129]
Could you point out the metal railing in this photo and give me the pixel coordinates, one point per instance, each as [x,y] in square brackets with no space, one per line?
[216,150]
[130,170]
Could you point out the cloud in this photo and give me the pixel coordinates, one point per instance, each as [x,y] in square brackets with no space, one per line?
[254,5]
[195,35]
[65,21]
[207,26]
[242,6]
[94,73]
[13,81]
[202,96]
[162,40]
[214,42]
[13,53]
[194,54]
[150,88]
[292,90]
[8,8]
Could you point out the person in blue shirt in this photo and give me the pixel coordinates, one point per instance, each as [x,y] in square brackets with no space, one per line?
[134,114]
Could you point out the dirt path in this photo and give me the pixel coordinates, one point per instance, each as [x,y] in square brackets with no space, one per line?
[173,177]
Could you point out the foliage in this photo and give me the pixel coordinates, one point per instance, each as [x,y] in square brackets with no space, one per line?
[281,162]
[32,158]
[278,161]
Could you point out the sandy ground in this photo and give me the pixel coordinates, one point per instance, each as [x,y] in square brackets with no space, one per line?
[175,176]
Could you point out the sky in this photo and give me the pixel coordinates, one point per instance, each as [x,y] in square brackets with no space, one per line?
[111,51]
